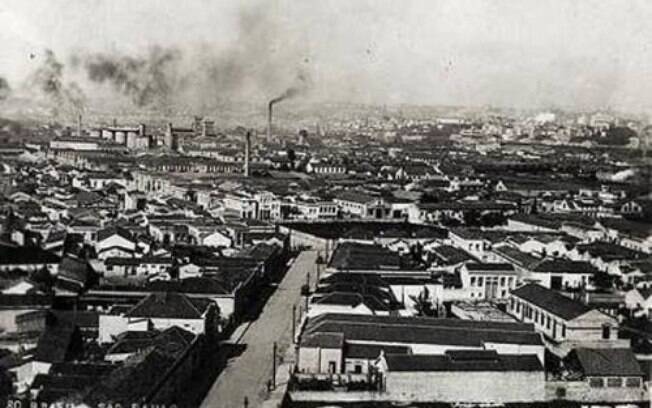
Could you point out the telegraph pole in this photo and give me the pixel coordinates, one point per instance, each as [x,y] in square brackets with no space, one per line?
[274,366]
[294,322]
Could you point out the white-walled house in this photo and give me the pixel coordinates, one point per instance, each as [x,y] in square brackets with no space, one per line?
[561,319]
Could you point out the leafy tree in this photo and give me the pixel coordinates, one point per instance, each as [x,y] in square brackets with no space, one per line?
[603,280]
[423,304]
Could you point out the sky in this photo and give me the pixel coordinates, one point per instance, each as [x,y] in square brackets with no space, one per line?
[579,54]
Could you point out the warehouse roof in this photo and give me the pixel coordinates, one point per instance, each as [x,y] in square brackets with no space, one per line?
[467,360]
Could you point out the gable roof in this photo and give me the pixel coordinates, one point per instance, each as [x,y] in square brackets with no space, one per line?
[619,362]
[565,266]
[169,305]
[413,330]
[551,301]
[110,231]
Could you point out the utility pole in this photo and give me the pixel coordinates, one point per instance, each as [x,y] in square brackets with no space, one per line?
[294,322]
[274,366]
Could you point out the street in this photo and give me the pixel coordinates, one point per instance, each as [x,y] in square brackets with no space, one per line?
[248,374]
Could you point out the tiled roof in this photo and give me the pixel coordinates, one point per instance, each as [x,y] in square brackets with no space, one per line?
[350,255]
[406,330]
[169,305]
[564,266]
[450,255]
[551,301]
[476,360]
[619,362]
[489,267]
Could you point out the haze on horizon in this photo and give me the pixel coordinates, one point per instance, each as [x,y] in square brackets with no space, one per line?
[587,54]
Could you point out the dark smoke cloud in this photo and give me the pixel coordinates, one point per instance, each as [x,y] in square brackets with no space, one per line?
[301,86]
[5,90]
[47,82]
[147,80]
[261,61]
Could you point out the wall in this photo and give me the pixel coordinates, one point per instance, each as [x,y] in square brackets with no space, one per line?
[580,391]
[110,326]
[196,326]
[485,387]
[315,359]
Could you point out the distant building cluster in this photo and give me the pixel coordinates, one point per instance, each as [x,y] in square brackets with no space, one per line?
[488,261]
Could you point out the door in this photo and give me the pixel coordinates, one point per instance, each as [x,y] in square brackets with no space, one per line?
[556,283]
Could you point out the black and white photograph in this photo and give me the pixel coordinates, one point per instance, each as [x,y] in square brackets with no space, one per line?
[325,203]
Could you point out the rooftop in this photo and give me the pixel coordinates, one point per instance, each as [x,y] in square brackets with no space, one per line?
[464,360]
[551,301]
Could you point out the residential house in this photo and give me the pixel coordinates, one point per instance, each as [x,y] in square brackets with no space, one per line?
[161,311]
[562,274]
[603,376]
[564,321]
[639,301]
[489,281]
[115,242]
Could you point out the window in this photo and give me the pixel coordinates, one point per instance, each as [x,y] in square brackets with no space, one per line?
[510,281]
[357,369]
[480,281]
[332,366]
[614,382]
[596,382]
[536,315]
[563,330]
[633,382]
[511,303]
[472,280]
[606,332]
[518,307]
[547,321]
[502,281]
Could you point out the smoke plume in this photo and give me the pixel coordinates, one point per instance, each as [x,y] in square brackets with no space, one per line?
[260,61]
[5,90]
[301,86]
[146,80]
[47,82]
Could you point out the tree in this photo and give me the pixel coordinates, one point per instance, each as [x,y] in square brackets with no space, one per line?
[423,304]
[292,156]
[603,280]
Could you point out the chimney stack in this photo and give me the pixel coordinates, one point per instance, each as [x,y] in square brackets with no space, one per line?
[270,109]
[168,135]
[79,125]
[247,153]
[141,130]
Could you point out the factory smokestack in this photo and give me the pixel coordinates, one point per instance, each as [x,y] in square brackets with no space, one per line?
[79,125]
[247,153]
[289,93]
[270,111]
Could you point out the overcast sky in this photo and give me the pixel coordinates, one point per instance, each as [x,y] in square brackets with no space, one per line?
[566,53]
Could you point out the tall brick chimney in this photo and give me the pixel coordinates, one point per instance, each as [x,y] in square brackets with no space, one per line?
[247,153]
[79,125]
